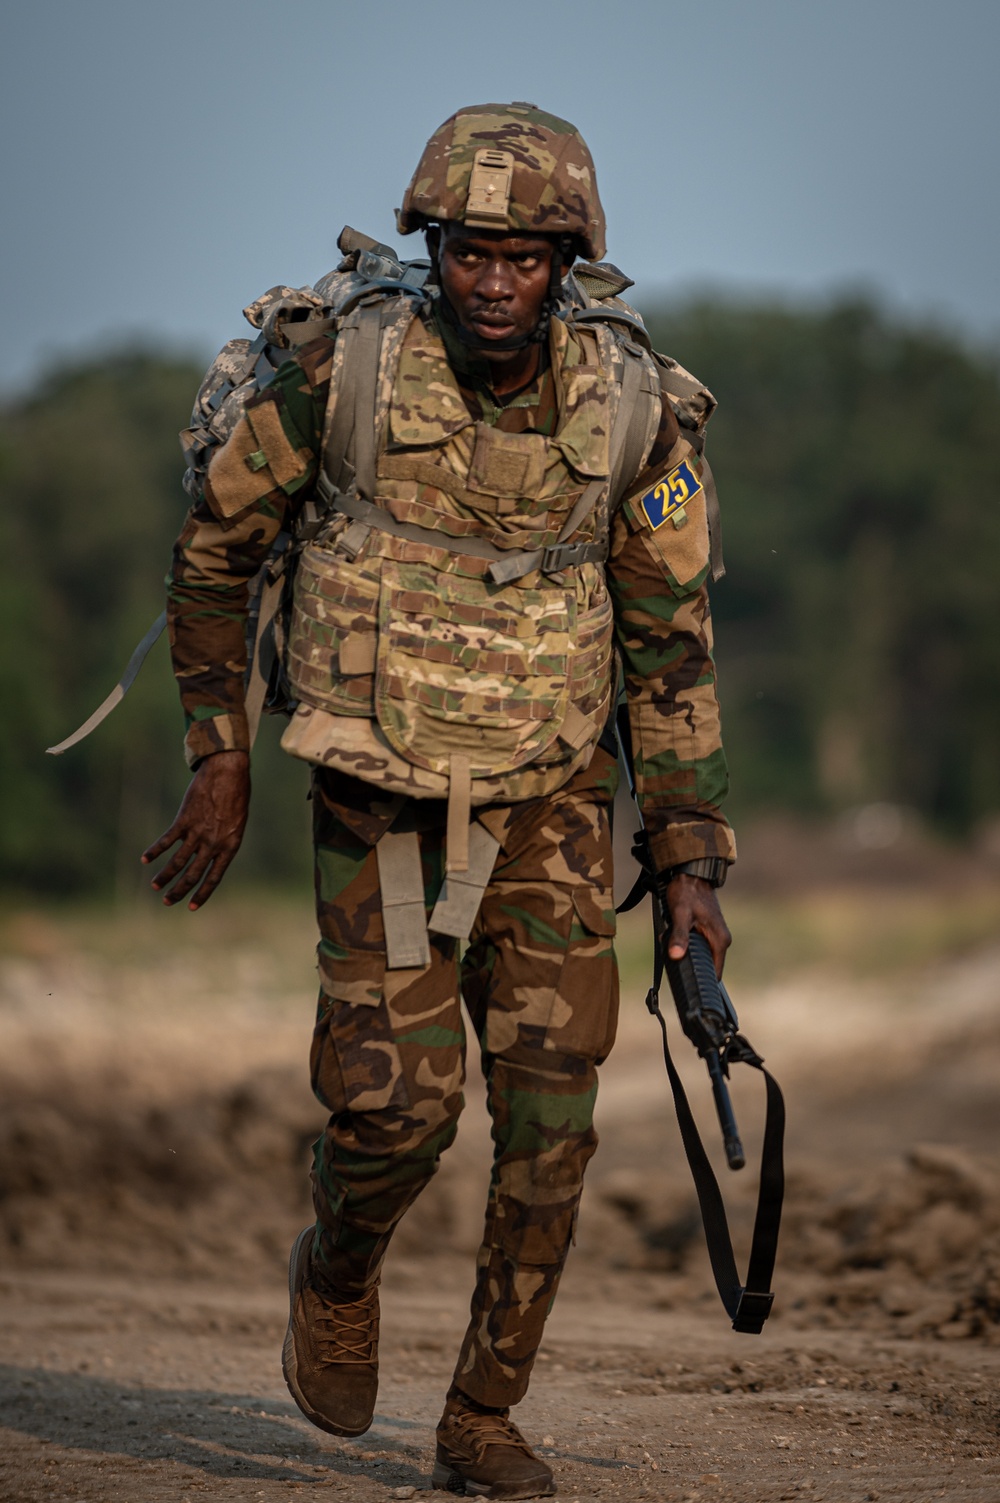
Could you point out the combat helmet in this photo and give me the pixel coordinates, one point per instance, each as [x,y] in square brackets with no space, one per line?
[508,166]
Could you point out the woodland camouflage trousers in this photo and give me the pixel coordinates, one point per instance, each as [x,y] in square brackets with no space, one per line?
[388,1059]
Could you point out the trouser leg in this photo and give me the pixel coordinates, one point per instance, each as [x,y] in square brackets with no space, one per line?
[387,1061]
[541,985]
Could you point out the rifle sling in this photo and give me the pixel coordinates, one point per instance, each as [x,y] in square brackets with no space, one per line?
[748,1305]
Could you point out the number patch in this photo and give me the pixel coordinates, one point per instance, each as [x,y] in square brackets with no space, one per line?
[670,495]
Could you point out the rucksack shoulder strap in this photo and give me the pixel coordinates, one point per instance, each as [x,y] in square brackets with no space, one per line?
[352,430]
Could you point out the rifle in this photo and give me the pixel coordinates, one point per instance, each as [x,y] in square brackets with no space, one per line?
[708,1018]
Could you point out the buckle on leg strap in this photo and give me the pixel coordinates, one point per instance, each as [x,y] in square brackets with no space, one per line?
[751,1312]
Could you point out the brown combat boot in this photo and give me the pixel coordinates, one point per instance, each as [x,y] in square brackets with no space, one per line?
[483,1454]
[330,1355]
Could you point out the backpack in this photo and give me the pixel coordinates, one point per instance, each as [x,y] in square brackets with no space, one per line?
[369,274]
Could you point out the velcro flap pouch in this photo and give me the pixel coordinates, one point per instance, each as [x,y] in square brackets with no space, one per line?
[285,463]
[255,458]
[507,466]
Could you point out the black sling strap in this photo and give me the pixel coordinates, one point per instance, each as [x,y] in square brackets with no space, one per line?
[748,1305]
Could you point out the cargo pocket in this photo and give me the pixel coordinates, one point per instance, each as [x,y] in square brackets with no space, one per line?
[584,1012]
[554,985]
[355,1062]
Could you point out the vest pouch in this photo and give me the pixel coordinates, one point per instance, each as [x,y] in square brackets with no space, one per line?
[592,678]
[466,668]
[330,657]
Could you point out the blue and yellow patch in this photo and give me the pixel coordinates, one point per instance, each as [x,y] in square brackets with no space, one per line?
[670,495]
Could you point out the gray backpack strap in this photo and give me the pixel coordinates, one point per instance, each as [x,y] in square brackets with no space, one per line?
[118,693]
[262,653]
[633,422]
[366,357]
[628,440]
[714,517]
[694,405]
[713,514]
[629,435]
[353,425]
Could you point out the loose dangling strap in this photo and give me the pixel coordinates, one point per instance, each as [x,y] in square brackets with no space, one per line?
[404,916]
[462,892]
[118,693]
[459,813]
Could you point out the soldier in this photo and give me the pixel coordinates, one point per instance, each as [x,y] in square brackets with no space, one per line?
[516,498]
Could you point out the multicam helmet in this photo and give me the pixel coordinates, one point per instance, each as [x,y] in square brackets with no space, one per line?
[508,166]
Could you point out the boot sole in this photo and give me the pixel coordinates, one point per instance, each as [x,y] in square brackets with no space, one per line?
[289,1361]
[447,1480]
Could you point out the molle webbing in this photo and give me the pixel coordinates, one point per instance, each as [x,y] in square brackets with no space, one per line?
[350,489]
[549,560]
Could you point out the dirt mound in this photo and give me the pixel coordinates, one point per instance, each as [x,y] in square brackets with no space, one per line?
[911,1247]
[93,1176]
[915,1246]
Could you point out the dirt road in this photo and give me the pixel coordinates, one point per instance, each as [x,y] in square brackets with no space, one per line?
[152,1165]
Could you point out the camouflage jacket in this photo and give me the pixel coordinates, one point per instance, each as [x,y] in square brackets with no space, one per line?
[656,577]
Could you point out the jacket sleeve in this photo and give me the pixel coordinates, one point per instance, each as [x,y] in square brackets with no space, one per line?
[657,577]
[256,483]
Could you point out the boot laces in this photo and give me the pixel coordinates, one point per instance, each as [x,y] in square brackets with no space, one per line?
[475,1432]
[347,1333]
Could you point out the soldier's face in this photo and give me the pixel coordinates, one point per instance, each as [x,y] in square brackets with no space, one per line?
[496,283]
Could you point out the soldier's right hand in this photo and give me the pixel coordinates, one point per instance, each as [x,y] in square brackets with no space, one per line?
[209,824]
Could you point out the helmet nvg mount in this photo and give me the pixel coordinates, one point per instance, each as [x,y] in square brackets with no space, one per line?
[508,166]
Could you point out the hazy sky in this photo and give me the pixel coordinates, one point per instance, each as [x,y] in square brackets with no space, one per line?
[165,161]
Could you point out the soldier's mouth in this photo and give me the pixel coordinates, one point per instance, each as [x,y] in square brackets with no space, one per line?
[492,325]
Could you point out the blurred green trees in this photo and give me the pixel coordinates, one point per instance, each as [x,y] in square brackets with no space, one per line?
[90,471]
[858,626]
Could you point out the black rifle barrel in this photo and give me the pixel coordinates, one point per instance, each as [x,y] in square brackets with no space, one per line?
[735,1157]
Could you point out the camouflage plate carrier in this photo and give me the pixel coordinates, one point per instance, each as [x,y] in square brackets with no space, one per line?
[285,318]
[445,628]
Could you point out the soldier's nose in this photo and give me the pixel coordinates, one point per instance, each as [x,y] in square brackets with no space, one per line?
[495,283]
